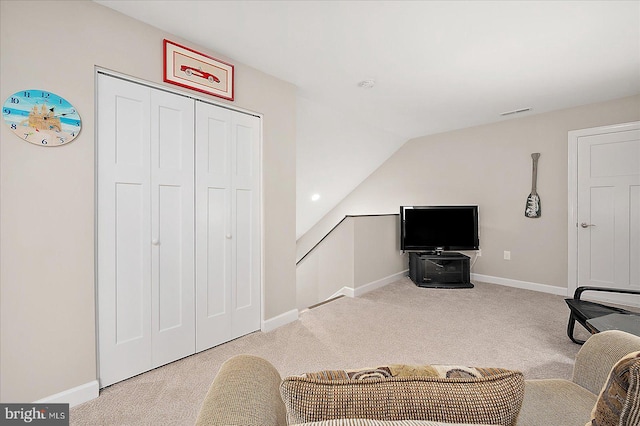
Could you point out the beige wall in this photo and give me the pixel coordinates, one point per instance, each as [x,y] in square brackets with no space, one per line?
[359,255]
[47,285]
[328,268]
[490,166]
[377,249]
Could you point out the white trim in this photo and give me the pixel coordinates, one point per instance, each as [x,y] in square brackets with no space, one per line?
[526,285]
[171,89]
[279,321]
[74,396]
[262,228]
[374,285]
[344,291]
[366,288]
[572,221]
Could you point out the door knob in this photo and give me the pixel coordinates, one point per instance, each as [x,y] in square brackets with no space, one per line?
[586,225]
[155,242]
[228,236]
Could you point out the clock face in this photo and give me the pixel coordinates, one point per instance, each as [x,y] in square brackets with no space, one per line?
[42,118]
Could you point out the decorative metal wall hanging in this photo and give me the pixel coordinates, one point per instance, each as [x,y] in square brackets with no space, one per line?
[533,200]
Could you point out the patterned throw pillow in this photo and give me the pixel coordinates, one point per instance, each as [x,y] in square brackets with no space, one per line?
[619,399]
[369,422]
[439,393]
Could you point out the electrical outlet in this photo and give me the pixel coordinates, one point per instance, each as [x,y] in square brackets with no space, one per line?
[507,255]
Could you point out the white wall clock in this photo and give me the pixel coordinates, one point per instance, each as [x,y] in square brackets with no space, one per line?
[42,118]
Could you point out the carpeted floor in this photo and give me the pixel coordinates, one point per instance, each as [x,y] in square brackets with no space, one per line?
[488,326]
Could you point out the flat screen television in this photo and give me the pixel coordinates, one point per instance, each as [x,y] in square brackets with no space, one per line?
[439,228]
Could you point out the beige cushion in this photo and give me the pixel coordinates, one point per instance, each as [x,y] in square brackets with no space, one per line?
[615,397]
[435,393]
[598,356]
[551,402]
[245,392]
[369,422]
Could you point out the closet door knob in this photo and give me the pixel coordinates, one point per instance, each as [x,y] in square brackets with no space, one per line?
[155,242]
[228,236]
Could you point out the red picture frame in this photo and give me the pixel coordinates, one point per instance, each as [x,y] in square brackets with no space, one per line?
[193,70]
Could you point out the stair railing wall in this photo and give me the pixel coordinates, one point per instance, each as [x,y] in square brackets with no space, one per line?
[359,254]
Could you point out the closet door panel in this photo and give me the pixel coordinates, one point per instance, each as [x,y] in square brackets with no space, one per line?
[170,253]
[130,258]
[216,129]
[213,227]
[130,141]
[172,227]
[243,296]
[145,228]
[217,272]
[170,131]
[244,148]
[245,184]
[123,256]
[228,225]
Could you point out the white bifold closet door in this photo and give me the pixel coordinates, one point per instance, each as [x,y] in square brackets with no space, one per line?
[145,218]
[178,214]
[228,264]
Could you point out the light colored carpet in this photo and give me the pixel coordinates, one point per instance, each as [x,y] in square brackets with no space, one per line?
[488,326]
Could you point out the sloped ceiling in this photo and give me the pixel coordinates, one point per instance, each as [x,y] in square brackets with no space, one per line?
[437,66]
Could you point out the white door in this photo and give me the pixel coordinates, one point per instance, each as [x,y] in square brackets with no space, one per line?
[608,211]
[145,228]
[172,227]
[228,264]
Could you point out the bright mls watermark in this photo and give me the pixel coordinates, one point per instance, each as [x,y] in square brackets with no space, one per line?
[36,414]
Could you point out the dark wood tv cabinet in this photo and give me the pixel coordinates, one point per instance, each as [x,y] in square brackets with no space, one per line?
[443,270]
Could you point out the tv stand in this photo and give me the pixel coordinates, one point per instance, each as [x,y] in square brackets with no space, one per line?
[440,270]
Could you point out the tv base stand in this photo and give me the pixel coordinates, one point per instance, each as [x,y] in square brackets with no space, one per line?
[443,270]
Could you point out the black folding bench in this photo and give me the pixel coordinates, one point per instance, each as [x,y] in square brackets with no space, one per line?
[584,310]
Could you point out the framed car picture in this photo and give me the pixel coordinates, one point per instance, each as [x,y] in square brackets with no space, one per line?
[194,70]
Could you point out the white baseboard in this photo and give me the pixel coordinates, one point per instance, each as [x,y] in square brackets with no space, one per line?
[544,288]
[366,288]
[74,396]
[344,291]
[280,320]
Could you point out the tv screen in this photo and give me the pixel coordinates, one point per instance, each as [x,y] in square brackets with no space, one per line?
[438,228]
